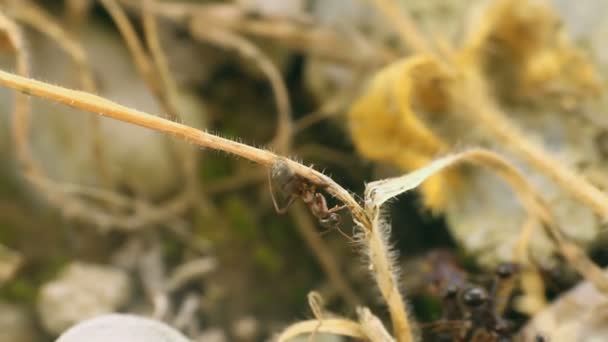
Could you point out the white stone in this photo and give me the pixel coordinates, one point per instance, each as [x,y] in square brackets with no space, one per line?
[81,292]
[122,328]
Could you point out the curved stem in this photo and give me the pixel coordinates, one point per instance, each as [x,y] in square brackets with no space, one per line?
[95,104]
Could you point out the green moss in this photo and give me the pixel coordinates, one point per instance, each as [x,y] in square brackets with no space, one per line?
[6,234]
[242,218]
[19,290]
[279,231]
[215,167]
[268,259]
[427,308]
[172,250]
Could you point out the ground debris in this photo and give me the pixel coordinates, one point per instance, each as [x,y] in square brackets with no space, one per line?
[80,292]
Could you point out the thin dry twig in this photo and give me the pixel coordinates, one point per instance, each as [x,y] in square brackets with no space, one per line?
[188,156]
[76,13]
[332,107]
[188,271]
[282,140]
[60,194]
[162,88]
[138,53]
[520,251]
[64,196]
[478,106]
[20,118]
[21,123]
[95,104]
[169,88]
[317,305]
[36,17]
[186,314]
[324,256]
[373,327]
[404,24]
[307,37]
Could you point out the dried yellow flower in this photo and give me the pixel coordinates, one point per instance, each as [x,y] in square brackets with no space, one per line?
[384,125]
[522,47]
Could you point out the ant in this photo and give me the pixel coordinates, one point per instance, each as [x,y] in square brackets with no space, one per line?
[473,313]
[294,187]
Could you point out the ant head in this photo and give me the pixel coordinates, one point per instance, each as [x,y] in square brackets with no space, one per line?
[506,270]
[474,296]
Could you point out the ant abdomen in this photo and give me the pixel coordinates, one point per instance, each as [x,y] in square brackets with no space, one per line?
[283,177]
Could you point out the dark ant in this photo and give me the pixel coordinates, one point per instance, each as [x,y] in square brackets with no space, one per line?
[472,313]
[294,187]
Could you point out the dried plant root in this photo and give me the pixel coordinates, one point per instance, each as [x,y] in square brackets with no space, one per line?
[37,18]
[478,106]
[533,298]
[76,13]
[227,39]
[154,70]
[306,37]
[95,104]
[408,32]
[60,195]
[188,156]
[169,88]
[323,254]
[581,262]
[373,327]
[142,61]
[532,286]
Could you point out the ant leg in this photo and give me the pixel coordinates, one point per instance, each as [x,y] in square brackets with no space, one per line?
[336,208]
[331,222]
[283,210]
[321,204]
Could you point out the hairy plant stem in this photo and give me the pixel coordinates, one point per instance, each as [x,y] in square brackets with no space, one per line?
[383,271]
[95,104]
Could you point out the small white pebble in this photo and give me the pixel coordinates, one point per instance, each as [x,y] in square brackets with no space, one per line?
[122,328]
